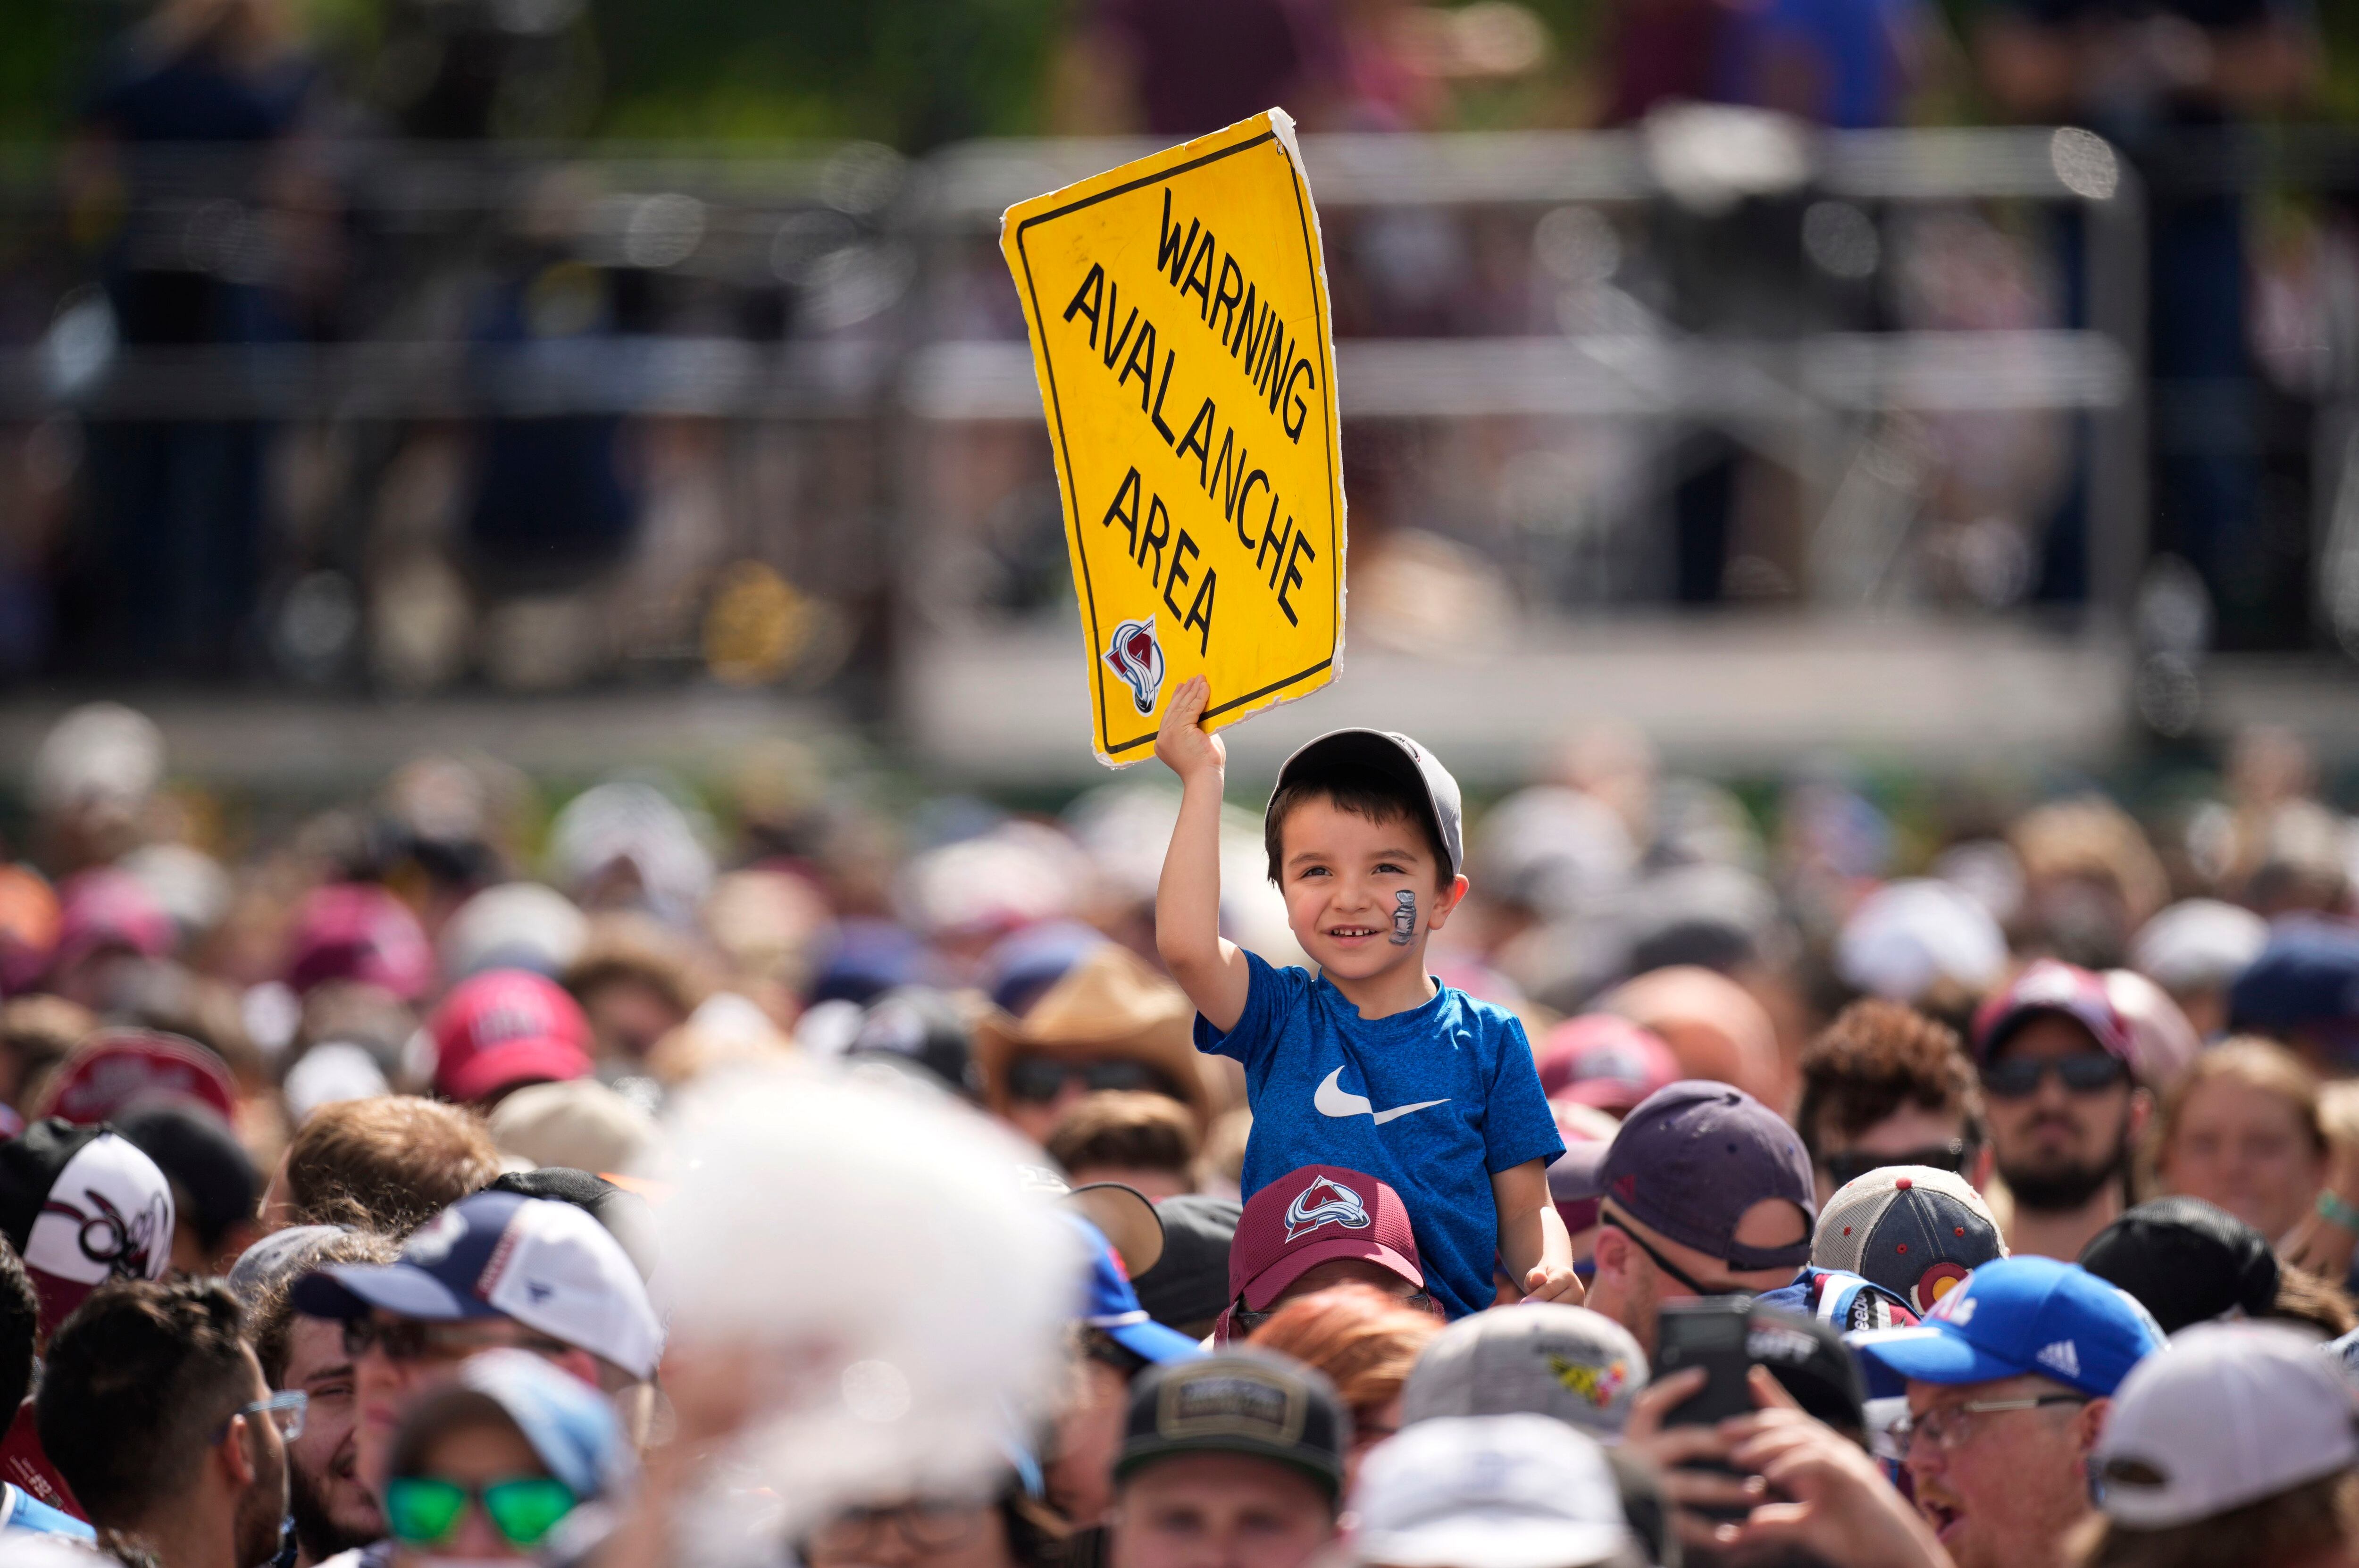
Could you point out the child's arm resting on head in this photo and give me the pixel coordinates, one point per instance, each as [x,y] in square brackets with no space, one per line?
[1533,1242]
[1211,970]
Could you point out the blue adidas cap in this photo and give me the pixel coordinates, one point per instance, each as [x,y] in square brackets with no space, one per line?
[1112,1305]
[2019,1316]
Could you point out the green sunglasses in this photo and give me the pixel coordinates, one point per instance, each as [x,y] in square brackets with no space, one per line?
[424,1511]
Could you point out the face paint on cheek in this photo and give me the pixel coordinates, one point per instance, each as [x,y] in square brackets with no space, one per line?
[1404,917]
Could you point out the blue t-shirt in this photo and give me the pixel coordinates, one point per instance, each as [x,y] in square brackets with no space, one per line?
[1431,1102]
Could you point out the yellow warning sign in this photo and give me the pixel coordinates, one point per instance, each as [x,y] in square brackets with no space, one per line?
[1178,307]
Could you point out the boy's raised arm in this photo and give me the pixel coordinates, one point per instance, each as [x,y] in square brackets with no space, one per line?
[1211,970]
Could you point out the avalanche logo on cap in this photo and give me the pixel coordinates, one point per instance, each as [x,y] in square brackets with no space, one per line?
[116,1242]
[1325,1202]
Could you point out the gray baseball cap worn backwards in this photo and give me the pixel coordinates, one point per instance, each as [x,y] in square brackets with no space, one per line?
[1397,757]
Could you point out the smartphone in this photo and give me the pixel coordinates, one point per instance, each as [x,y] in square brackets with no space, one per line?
[1713,1334]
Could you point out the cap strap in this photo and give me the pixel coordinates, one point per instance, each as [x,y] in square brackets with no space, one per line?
[1750,1258]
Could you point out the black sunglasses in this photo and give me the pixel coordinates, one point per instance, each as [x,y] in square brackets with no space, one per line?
[1039,1080]
[2084,1073]
[1685,1279]
[1852,1163]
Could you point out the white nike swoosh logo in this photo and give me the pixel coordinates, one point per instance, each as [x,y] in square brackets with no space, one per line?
[1333,1099]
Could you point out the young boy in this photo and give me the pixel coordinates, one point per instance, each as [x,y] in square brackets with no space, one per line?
[1368,1063]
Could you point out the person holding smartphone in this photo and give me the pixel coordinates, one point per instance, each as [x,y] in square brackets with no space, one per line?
[1704,1191]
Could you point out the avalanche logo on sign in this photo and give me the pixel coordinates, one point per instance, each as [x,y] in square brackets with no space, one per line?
[1137,658]
[1325,1202]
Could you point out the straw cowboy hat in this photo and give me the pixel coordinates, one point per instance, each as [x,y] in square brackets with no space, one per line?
[1108,1007]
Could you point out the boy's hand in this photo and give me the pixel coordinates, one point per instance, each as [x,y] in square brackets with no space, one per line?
[1182,744]
[1554,1282]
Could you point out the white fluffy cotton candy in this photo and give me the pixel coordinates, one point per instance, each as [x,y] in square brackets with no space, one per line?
[858,1256]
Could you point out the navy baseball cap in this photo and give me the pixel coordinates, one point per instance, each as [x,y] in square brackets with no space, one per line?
[2305,977]
[1390,752]
[545,1263]
[1690,1158]
[2018,1317]
[1912,1229]
[1112,1306]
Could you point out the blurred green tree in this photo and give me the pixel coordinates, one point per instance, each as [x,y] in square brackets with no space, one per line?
[913,73]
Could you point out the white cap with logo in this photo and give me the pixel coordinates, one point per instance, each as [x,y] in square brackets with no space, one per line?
[2223,1415]
[1493,1491]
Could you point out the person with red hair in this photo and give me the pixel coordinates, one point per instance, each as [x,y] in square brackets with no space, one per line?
[1365,1342]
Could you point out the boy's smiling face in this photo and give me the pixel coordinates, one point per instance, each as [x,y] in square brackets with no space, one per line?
[1342,873]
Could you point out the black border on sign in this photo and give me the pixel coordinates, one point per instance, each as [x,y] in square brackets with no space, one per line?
[1056,414]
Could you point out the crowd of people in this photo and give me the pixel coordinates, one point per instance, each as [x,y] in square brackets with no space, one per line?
[1591,1179]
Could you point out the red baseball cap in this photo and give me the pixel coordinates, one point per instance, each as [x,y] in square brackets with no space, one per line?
[105,908]
[115,1068]
[2050,984]
[504,1028]
[1311,1215]
[1604,1060]
[358,931]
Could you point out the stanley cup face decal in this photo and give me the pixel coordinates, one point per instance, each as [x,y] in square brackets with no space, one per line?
[1137,658]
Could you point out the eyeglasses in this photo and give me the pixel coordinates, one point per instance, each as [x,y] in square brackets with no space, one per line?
[2084,1073]
[425,1510]
[285,1411]
[1686,1280]
[926,1525]
[1852,1163]
[1242,1323]
[407,1340]
[1946,1427]
[1039,1080]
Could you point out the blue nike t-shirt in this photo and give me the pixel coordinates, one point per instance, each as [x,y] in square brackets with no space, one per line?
[1432,1102]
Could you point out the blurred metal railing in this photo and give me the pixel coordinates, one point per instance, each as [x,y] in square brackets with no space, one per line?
[850,304]
[1648,369]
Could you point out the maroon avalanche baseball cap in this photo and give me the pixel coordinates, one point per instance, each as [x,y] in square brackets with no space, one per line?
[1311,1215]
[2050,985]
[1694,1155]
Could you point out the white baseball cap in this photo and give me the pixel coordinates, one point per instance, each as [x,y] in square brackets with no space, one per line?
[2225,1414]
[1491,1491]
[546,1264]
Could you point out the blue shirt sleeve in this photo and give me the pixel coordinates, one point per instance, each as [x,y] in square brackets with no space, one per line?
[25,1511]
[1518,1124]
[1271,997]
